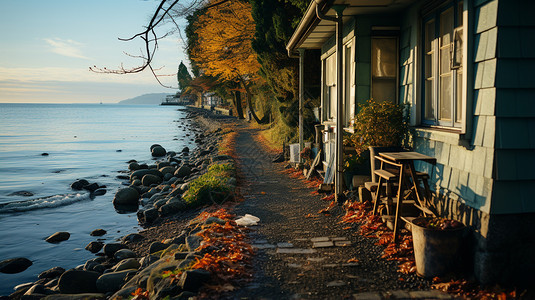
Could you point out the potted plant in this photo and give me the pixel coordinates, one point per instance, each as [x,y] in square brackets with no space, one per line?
[377,124]
[438,243]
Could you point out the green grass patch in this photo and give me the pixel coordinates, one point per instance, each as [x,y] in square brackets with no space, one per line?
[213,187]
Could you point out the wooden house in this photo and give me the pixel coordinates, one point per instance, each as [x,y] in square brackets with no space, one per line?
[466,69]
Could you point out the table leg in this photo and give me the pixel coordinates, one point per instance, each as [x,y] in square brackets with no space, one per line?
[415,181]
[399,205]
[377,195]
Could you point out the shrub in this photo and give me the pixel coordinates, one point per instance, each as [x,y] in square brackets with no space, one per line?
[379,124]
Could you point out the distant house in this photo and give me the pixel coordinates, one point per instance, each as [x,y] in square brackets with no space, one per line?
[211,99]
[467,70]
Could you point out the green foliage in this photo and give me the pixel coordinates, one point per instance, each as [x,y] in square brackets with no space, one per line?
[183,77]
[213,186]
[275,22]
[379,124]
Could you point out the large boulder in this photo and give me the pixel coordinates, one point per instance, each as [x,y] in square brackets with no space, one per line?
[126,196]
[79,184]
[158,151]
[162,164]
[150,215]
[172,208]
[132,238]
[124,254]
[91,187]
[98,232]
[78,281]
[94,246]
[51,273]
[156,247]
[112,282]
[183,171]
[126,264]
[192,280]
[59,236]
[133,166]
[167,170]
[14,265]
[193,242]
[111,248]
[150,179]
[140,173]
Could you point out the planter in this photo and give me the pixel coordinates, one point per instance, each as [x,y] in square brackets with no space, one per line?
[437,252]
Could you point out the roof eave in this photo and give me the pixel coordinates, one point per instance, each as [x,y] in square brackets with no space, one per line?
[308,22]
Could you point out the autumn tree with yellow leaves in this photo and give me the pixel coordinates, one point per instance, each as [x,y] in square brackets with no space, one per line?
[223,46]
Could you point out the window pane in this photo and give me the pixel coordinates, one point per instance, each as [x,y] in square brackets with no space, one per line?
[429,103]
[429,35]
[445,61]
[428,66]
[333,101]
[445,98]
[460,14]
[459,98]
[384,57]
[430,51]
[446,26]
[384,90]
[384,69]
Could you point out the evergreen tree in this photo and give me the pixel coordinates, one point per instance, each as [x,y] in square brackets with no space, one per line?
[275,21]
[183,76]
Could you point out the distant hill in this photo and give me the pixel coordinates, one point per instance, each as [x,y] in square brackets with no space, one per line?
[154,98]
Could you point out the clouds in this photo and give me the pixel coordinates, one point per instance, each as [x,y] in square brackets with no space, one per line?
[67,48]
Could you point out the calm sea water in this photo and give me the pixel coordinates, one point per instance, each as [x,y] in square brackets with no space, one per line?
[89,141]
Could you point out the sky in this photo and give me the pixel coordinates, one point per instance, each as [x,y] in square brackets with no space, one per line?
[47,48]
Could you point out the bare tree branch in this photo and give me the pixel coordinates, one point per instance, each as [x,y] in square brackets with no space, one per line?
[164,11]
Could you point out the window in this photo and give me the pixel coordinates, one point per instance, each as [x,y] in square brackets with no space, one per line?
[384,69]
[329,88]
[442,66]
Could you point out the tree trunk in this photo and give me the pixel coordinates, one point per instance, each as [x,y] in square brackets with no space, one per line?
[250,104]
[237,104]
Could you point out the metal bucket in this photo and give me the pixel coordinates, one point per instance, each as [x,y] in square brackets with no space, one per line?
[437,252]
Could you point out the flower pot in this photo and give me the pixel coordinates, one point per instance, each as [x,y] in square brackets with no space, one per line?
[437,252]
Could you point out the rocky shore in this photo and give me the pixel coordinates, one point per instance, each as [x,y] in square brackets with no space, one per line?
[167,194]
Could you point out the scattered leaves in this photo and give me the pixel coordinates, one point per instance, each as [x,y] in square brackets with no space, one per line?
[328,208]
[471,290]
[227,254]
[140,294]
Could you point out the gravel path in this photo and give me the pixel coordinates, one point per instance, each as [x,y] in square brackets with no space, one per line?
[287,266]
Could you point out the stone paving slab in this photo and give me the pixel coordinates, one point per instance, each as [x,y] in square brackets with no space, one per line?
[336,283]
[326,244]
[285,245]
[320,239]
[316,259]
[295,251]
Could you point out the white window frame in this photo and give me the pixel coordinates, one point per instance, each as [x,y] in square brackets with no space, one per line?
[459,31]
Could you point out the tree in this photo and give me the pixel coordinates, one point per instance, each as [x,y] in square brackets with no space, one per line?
[275,22]
[223,46]
[183,76]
